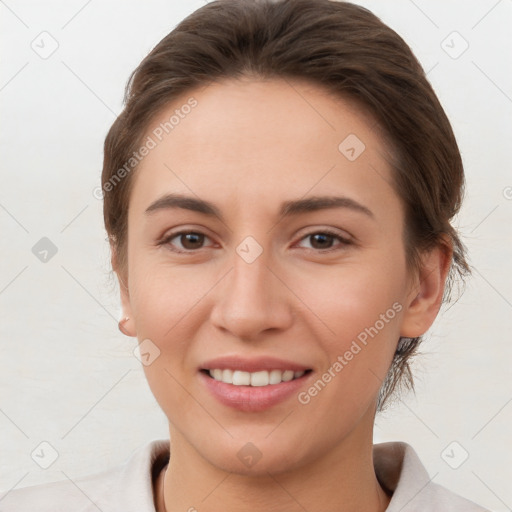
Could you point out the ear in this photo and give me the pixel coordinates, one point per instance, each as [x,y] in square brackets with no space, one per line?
[425,298]
[126,322]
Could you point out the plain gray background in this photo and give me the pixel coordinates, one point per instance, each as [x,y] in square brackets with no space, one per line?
[70,379]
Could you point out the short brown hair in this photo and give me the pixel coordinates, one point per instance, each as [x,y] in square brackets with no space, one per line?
[339,46]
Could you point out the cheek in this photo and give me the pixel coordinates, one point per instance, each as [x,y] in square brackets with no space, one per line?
[163,301]
[361,307]
[363,314]
[163,295]
[351,298]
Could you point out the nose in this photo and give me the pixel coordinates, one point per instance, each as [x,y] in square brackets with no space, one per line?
[253,298]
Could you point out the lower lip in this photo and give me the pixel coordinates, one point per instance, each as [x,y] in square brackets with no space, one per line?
[252,398]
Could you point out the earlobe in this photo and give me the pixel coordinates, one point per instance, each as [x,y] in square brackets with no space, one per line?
[126,325]
[122,327]
[425,298]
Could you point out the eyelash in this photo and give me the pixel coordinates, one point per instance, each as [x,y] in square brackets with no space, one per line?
[344,241]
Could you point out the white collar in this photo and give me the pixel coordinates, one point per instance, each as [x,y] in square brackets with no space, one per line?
[129,487]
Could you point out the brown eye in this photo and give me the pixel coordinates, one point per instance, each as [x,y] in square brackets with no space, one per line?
[191,240]
[324,241]
[321,241]
[188,241]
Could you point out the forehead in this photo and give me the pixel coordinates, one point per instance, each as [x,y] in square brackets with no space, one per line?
[279,109]
[264,136]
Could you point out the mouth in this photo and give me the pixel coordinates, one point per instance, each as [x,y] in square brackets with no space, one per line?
[260,378]
[254,391]
[253,384]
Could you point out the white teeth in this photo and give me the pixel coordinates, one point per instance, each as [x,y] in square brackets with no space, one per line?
[287,375]
[261,378]
[227,376]
[240,378]
[275,376]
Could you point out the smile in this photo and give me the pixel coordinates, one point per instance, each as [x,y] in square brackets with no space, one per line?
[254,391]
[257,379]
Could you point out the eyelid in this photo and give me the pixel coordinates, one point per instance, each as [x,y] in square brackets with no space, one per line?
[168,236]
[343,238]
[313,230]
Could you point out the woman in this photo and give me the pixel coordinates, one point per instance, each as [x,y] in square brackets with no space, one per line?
[278,194]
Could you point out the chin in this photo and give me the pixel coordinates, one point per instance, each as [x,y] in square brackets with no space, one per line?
[276,462]
[256,458]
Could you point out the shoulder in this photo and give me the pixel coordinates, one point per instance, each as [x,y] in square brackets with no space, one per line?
[62,496]
[442,499]
[400,470]
[124,488]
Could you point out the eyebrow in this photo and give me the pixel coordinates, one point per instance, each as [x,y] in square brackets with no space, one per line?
[288,208]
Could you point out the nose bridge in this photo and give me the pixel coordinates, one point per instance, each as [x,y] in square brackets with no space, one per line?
[252,299]
[250,280]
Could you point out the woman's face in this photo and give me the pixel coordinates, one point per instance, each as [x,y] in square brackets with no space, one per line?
[261,286]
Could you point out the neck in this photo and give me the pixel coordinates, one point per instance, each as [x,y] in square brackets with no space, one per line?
[343,479]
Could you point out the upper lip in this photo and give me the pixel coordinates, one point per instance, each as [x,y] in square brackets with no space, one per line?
[253,364]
